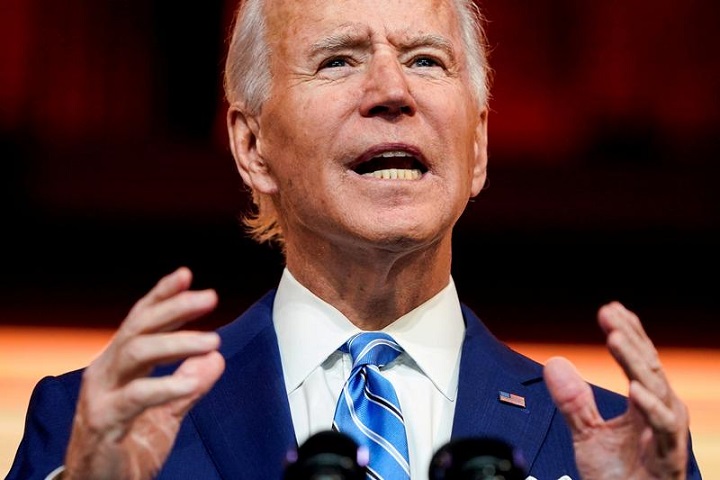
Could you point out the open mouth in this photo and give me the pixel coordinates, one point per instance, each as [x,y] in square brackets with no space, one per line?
[392,165]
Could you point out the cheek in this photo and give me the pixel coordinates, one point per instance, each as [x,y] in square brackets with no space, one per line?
[312,129]
[326,112]
[455,142]
[458,141]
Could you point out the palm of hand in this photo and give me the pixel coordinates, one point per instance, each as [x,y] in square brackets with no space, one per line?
[626,447]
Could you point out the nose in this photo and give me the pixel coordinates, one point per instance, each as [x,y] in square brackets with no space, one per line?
[386,91]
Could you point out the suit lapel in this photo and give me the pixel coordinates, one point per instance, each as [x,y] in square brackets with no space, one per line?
[244,421]
[487,367]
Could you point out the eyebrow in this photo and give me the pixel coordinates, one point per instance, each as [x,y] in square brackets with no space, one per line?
[429,40]
[338,41]
[344,40]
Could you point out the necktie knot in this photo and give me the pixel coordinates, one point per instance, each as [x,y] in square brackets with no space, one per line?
[372,348]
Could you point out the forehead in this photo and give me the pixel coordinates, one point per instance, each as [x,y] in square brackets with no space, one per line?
[297,23]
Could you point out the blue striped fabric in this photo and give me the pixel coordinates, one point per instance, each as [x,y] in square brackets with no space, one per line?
[368,409]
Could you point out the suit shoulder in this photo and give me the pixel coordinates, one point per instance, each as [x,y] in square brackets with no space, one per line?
[47,426]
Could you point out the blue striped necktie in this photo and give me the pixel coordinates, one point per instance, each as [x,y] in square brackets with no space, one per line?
[368,409]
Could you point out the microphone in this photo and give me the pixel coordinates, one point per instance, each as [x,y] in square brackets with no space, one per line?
[478,459]
[327,455]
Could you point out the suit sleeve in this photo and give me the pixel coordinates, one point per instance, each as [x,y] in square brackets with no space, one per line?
[47,428]
[693,470]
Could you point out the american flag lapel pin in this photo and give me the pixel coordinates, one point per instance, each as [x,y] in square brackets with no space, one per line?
[512,399]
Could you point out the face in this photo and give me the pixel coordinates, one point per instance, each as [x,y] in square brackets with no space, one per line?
[371,135]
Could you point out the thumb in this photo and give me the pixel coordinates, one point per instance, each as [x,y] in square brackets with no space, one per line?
[572,395]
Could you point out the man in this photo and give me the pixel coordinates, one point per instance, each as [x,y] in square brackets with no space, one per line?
[361,128]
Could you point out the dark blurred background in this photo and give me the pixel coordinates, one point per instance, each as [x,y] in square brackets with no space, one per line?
[603,173]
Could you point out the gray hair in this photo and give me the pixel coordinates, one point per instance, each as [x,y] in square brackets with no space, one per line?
[247,81]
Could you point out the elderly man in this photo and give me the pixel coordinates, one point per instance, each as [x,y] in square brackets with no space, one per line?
[361,128]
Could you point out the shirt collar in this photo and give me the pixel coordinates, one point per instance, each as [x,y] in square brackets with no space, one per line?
[309,330]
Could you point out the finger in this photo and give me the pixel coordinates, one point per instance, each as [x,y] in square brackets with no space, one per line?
[614,315]
[169,314]
[207,368]
[147,392]
[140,354]
[183,308]
[165,316]
[669,423]
[185,386]
[167,286]
[614,318]
[573,396]
[632,348]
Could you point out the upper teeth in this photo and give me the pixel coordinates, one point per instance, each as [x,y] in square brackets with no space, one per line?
[395,153]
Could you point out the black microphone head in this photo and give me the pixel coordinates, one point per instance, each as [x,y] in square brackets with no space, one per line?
[326,455]
[477,459]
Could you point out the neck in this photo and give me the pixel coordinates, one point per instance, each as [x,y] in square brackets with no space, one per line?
[372,287]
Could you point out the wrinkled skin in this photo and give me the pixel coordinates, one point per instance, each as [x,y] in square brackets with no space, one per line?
[126,422]
[650,440]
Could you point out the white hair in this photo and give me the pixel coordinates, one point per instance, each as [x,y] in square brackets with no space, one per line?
[247,82]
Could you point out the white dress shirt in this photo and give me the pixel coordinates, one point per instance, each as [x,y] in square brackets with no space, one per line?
[425,376]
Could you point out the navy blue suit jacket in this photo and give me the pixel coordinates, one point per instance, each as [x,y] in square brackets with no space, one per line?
[242,428]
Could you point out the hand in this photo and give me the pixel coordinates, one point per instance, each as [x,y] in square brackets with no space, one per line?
[126,422]
[650,440]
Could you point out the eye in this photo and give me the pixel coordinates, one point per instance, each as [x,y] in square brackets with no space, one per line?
[334,62]
[425,62]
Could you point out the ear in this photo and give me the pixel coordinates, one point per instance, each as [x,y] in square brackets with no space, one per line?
[244,135]
[479,173]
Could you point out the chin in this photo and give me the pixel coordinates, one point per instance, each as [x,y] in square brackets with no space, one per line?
[402,240]
[398,229]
